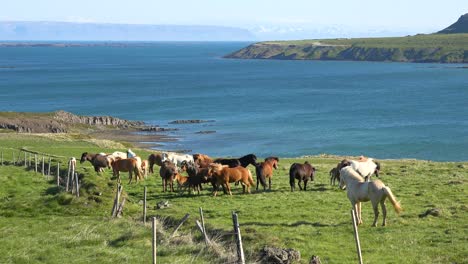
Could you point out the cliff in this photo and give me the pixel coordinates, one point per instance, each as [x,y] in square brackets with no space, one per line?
[461,26]
[451,48]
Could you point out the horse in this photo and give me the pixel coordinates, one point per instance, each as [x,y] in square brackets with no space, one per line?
[98,161]
[196,175]
[265,170]
[176,158]
[302,172]
[224,175]
[126,165]
[359,190]
[154,159]
[114,156]
[334,174]
[364,166]
[242,161]
[202,160]
[168,172]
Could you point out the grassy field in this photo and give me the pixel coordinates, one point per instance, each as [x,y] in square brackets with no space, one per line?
[448,41]
[39,223]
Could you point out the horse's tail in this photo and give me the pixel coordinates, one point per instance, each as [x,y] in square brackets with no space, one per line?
[292,172]
[395,203]
[260,175]
[251,179]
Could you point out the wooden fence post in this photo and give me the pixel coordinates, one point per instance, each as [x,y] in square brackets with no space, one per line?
[25,160]
[144,206]
[29,160]
[43,167]
[68,176]
[356,236]
[13,157]
[2,158]
[202,219]
[240,250]
[180,224]
[116,201]
[154,240]
[77,185]
[48,167]
[35,163]
[58,174]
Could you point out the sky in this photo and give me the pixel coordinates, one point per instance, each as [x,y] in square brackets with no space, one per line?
[260,16]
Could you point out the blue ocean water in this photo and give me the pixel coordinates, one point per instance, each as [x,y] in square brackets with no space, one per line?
[266,107]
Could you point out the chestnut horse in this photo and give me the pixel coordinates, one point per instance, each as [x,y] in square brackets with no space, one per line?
[168,172]
[359,190]
[154,159]
[224,175]
[202,160]
[302,172]
[126,165]
[265,170]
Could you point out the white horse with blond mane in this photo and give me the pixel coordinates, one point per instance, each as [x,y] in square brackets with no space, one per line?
[359,191]
[366,167]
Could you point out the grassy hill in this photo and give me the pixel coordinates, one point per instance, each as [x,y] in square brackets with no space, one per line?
[39,223]
[440,48]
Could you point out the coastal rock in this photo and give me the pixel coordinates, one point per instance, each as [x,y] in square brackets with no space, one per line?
[279,256]
[95,120]
[157,129]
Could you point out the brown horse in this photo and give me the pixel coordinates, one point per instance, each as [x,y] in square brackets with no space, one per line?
[154,159]
[265,170]
[224,175]
[168,172]
[334,174]
[126,165]
[302,172]
[202,160]
[98,161]
[196,175]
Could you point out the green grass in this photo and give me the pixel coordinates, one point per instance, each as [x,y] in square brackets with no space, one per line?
[39,224]
[448,41]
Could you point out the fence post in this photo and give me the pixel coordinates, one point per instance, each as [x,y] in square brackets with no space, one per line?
[2,158]
[29,160]
[154,240]
[13,157]
[43,167]
[48,167]
[58,174]
[77,185]
[180,224]
[144,206]
[356,236]
[202,219]
[116,201]
[25,160]
[35,163]
[68,176]
[240,250]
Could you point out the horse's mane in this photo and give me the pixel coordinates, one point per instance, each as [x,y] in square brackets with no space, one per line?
[351,173]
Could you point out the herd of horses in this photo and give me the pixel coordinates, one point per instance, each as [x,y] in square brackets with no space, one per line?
[352,175]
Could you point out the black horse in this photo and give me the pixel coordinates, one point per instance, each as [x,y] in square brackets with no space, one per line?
[302,172]
[242,161]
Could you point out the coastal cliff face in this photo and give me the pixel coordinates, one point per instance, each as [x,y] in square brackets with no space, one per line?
[58,122]
[312,51]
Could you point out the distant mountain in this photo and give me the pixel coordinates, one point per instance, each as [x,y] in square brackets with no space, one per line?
[29,30]
[461,26]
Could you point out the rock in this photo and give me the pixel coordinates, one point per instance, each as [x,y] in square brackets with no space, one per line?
[434,212]
[315,260]
[279,256]
[190,121]
[162,205]
[205,132]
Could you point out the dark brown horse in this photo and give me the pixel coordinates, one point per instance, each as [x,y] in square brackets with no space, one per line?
[98,161]
[242,161]
[302,172]
[196,175]
[154,159]
[168,172]
[127,165]
[265,170]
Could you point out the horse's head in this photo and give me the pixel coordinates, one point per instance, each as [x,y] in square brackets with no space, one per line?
[377,169]
[84,157]
[343,163]
[342,182]
[274,161]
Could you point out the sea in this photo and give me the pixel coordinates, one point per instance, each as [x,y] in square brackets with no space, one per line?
[285,108]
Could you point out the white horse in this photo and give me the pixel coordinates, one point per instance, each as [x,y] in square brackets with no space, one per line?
[364,166]
[177,158]
[360,191]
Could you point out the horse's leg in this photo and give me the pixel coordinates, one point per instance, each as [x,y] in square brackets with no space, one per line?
[305,185]
[299,184]
[384,212]
[129,176]
[359,212]
[164,185]
[228,187]
[257,182]
[375,206]
[269,183]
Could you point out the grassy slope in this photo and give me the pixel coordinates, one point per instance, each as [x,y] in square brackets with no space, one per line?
[37,224]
